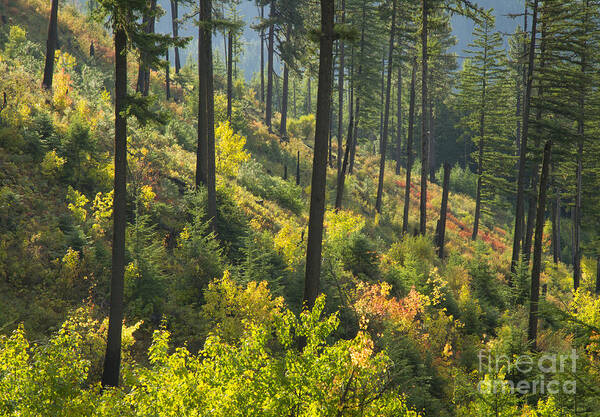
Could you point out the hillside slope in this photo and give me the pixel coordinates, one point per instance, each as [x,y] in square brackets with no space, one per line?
[407,323]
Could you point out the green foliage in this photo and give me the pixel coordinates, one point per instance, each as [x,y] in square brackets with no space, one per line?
[245,376]
[261,184]
[303,127]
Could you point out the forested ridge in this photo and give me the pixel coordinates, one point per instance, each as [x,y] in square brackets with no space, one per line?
[379,226]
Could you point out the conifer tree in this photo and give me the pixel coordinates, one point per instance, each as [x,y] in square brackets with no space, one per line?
[122,16]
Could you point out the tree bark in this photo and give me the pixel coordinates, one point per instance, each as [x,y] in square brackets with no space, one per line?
[284,102]
[168,77]
[399,121]
[598,275]
[409,144]
[519,212]
[112,359]
[51,46]
[298,169]
[210,124]
[357,111]
[262,57]
[270,47]
[202,149]
[556,227]
[386,115]
[537,250]
[440,233]
[481,152]
[229,74]
[424,123]
[319,177]
[308,96]
[341,95]
[175,23]
[341,179]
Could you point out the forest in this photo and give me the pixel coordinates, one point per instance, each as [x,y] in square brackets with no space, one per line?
[371,224]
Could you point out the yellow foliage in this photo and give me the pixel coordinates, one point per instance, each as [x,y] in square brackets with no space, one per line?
[230,152]
[52,163]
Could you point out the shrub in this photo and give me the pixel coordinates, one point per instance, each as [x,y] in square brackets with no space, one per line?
[303,128]
[230,153]
[259,183]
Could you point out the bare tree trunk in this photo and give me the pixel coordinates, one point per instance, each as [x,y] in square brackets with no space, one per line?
[341,94]
[431,142]
[341,179]
[386,116]
[51,43]
[210,124]
[229,75]
[357,111]
[556,226]
[270,47]
[319,177]
[262,57]
[294,99]
[519,212]
[112,360]
[537,250]
[202,149]
[168,77]
[309,96]
[440,233]
[399,122]
[298,169]
[480,156]
[409,144]
[284,102]
[424,123]
[174,17]
[598,275]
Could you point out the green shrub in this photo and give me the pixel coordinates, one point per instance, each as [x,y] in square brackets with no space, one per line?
[303,128]
[261,184]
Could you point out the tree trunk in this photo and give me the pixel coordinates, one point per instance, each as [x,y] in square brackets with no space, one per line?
[386,115]
[537,249]
[409,144]
[284,102]
[598,275]
[519,212]
[51,46]
[440,233]
[298,169]
[341,179]
[319,177]
[308,96]
[168,77]
[174,17]
[480,156]
[210,124]
[399,121]
[531,214]
[340,126]
[229,74]
[556,227]
[143,80]
[112,360]
[262,57]
[424,124]
[270,47]
[294,98]
[357,111]
[202,150]
[431,142]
